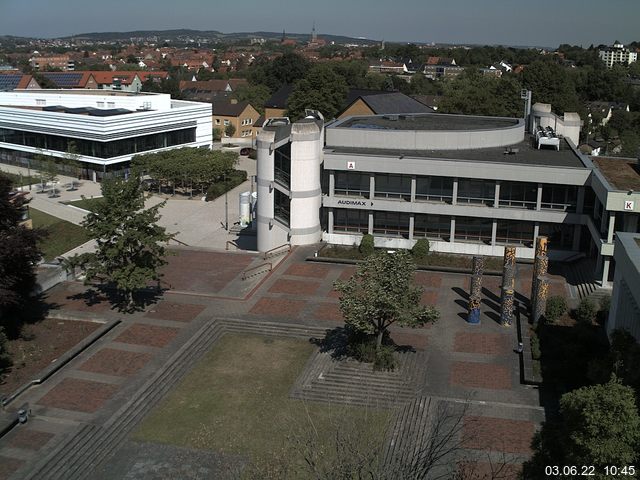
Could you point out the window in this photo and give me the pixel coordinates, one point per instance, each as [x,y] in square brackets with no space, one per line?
[282,165]
[559,197]
[518,195]
[226,122]
[480,192]
[474,229]
[281,207]
[40,101]
[393,224]
[100,104]
[217,121]
[352,184]
[438,189]
[350,220]
[514,231]
[393,186]
[432,226]
[111,104]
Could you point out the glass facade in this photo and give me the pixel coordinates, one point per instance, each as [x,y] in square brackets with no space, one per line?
[432,226]
[348,220]
[282,165]
[518,195]
[560,235]
[91,148]
[281,207]
[393,186]
[479,192]
[352,184]
[474,229]
[514,232]
[559,197]
[393,224]
[436,189]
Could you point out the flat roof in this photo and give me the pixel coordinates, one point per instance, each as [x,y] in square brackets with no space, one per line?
[85,91]
[621,173]
[435,121]
[527,154]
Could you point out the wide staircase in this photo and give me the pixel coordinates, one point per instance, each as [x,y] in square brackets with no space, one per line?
[581,277]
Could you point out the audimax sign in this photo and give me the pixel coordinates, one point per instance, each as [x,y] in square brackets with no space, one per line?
[355,203]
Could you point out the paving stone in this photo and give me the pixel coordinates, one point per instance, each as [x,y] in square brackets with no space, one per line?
[498,434]
[150,335]
[329,312]
[309,270]
[416,340]
[294,287]
[429,279]
[27,438]
[78,395]
[485,343]
[8,466]
[429,298]
[278,307]
[480,375]
[177,312]
[110,361]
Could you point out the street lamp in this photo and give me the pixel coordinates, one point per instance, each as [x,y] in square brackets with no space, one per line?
[226,204]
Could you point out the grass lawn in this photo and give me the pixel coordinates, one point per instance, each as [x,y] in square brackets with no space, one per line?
[19,181]
[237,401]
[86,203]
[62,235]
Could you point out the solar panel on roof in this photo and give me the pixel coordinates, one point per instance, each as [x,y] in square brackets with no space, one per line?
[9,82]
[63,79]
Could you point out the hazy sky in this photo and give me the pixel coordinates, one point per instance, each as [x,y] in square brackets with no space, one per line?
[513,22]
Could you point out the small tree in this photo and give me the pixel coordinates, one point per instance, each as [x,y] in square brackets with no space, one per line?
[5,358]
[366,245]
[230,130]
[72,158]
[51,174]
[217,134]
[382,293]
[586,311]
[556,307]
[130,244]
[421,249]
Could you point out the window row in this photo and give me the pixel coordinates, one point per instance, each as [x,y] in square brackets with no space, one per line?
[92,148]
[474,192]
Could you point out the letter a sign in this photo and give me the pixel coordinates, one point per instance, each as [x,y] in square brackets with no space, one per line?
[628,204]
[351,165]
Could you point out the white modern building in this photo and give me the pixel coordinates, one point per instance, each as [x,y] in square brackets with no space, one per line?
[471,185]
[617,53]
[107,128]
[625,302]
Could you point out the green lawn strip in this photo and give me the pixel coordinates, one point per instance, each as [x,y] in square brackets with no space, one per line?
[21,180]
[237,401]
[86,203]
[62,235]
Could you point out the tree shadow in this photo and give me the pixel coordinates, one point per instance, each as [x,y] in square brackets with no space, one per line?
[33,310]
[98,294]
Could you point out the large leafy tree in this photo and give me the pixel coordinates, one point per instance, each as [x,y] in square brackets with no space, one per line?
[19,254]
[382,293]
[322,89]
[130,245]
[598,425]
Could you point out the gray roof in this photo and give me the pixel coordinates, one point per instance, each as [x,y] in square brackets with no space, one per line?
[228,109]
[436,121]
[394,103]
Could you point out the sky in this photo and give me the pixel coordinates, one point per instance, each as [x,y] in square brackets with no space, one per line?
[507,22]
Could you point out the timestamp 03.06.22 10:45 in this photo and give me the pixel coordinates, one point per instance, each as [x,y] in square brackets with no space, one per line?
[559,471]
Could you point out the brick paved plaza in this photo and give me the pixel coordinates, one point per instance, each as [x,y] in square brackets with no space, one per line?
[459,361]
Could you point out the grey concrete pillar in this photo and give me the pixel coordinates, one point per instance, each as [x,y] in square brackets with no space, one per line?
[412,221]
[496,195]
[370,229]
[605,271]
[612,227]
[536,232]
[372,186]
[452,232]
[413,188]
[454,194]
[330,220]
[580,200]
[494,232]
[539,197]
[332,183]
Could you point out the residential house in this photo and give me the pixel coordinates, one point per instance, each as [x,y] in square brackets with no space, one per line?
[617,53]
[388,66]
[209,90]
[441,67]
[276,106]
[63,62]
[71,79]
[12,81]
[241,115]
[381,103]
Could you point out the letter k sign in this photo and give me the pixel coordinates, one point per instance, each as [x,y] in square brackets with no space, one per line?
[628,204]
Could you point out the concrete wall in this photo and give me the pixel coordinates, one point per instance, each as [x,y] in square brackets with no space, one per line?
[625,301]
[568,126]
[86,98]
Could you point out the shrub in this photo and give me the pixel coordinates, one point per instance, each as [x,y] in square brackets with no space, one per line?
[253,154]
[5,359]
[535,347]
[384,359]
[363,348]
[586,311]
[366,245]
[234,179]
[421,248]
[605,304]
[556,307]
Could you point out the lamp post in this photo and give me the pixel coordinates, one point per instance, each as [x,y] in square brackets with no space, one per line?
[226,205]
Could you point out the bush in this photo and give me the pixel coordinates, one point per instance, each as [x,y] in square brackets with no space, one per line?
[605,304]
[5,359]
[535,347]
[556,307]
[363,348]
[366,245]
[421,248]
[234,179]
[586,311]
[253,154]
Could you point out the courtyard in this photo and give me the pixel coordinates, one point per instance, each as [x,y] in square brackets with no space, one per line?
[219,372]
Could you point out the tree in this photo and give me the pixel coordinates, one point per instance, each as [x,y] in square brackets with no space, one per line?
[130,245]
[230,130]
[5,358]
[72,159]
[51,174]
[256,95]
[19,253]
[322,89]
[382,293]
[598,425]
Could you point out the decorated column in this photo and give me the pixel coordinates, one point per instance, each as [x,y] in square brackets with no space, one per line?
[541,252]
[540,301]
[475,294]
[508,285]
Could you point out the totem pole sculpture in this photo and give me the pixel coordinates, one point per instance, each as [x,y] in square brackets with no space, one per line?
[475,295]
[508,285]
[540,281]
